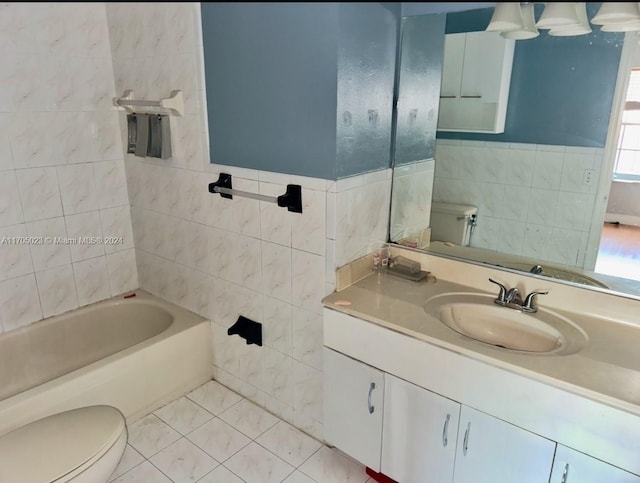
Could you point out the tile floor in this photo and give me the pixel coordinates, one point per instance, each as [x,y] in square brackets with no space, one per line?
[213,435]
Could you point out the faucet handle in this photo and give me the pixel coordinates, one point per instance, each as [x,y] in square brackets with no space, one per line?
[502,296]
[527,305]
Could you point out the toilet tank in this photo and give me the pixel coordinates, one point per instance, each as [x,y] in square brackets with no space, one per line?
[452,223]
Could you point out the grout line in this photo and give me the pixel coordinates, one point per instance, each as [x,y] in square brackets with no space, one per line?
[222,463]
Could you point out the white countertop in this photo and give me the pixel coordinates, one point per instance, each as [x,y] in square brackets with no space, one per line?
[606,370]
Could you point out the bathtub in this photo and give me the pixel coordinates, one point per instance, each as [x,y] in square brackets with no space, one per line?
[134,353]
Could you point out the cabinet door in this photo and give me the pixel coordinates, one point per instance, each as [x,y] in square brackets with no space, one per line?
[419,433]
[452,65]
[486,70]
[353,398]
[491,450]
[570,466]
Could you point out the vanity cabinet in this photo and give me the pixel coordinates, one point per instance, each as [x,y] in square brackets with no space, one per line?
[476,76]
[571,466]
[510,424]
[353,398]
[413,435]
[492,450]
[420,433]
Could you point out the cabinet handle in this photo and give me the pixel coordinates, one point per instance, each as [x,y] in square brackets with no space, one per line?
[445,430]
[448,97]
[470,97]
[369,405]
[565,473]
[465,444]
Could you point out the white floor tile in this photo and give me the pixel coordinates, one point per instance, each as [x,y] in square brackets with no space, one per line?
[299,477]
[248,418]
[219,439]
[289,443]
[183,415]
[183,461]
[150,435]
[220,475]
[130,459]
[158,453]
[214,397]
[254,464]
[144,472]
[329,466]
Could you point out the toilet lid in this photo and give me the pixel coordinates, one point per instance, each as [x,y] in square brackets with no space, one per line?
[49,448]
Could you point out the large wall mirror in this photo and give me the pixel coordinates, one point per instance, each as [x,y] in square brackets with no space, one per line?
[533,198]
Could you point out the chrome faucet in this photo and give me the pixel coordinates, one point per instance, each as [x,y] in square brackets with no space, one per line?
[536,269]
[528,304]
[511,298]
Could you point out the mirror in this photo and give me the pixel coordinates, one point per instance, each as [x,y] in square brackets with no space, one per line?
[540,188]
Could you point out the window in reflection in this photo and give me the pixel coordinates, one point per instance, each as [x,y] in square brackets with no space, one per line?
[627,166]
[618,252]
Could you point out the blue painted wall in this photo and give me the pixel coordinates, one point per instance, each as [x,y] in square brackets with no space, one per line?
[423,8]
[419,87]
[561,87]
[366,73]
[270,73]
[300,88]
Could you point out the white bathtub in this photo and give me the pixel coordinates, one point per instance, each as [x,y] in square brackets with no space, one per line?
[136,354]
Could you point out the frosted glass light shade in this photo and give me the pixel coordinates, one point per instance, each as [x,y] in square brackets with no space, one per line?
[616,12]
[558,14]
[581,28]
[632,26]
[506,17]
[529,20]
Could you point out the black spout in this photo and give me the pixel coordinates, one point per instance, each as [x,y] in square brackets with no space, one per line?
[248,329]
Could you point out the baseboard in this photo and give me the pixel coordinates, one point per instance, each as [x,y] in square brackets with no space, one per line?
[622,219]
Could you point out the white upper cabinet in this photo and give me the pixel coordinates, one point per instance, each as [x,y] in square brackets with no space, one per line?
[492,450]
[570,466]
[419,433]
[353,398]
[452,66]
[476,75]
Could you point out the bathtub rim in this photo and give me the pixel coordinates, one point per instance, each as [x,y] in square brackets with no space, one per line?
[186,325]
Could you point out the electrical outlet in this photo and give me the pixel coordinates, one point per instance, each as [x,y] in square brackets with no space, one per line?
[587,177]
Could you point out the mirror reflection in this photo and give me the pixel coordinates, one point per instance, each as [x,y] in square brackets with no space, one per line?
[537,197]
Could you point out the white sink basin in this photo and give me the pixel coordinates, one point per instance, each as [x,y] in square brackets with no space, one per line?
[477,317]
[558,273]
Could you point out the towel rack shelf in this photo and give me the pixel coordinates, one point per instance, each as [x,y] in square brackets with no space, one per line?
[172,105]
[291,199]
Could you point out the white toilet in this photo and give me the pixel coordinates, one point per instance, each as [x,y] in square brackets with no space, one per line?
[82,445]
[453,223]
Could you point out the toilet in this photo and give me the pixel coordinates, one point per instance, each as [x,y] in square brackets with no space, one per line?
[453,223]
[82,445]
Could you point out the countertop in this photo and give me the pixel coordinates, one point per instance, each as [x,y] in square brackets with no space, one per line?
[607,369]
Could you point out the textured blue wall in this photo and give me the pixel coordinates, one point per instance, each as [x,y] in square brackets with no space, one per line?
[300,88]
[419,87]
[561,87]
[366,73]
[270,73]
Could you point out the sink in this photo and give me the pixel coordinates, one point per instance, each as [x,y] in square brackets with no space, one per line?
[477,317]
[558,273]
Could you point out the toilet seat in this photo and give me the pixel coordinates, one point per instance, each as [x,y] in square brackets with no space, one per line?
[61,446]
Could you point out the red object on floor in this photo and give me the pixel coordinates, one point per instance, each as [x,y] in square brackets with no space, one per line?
[130,295]
[379,477]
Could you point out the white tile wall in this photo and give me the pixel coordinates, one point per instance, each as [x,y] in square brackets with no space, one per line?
[411,198]
[532,199]
[224,258]
[61,162]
